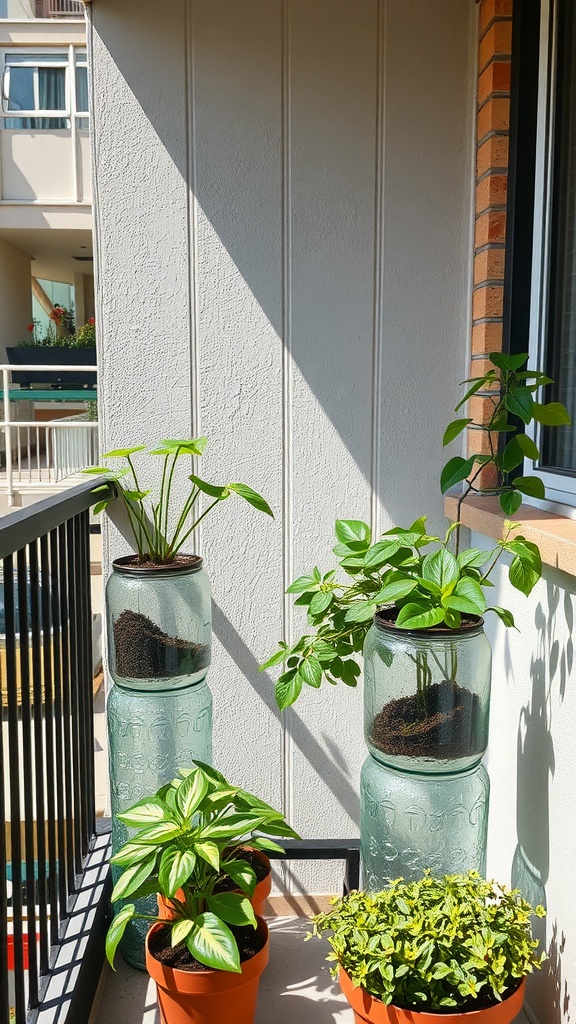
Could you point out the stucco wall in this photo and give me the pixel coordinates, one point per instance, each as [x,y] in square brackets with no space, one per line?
[15,296]
[532,767]
[283,234]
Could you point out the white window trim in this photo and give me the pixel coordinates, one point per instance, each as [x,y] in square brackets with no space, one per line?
[66,61]
[560,487]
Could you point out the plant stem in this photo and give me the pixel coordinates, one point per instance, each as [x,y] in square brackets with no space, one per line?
[171,551]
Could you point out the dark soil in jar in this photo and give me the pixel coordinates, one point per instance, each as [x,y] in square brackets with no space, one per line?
[144,651]
[259,867]
[250,941]
[446,728]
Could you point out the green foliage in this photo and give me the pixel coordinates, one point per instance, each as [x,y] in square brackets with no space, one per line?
[150,520]
[428,587]
[511,392]
[434,944]
[190,836]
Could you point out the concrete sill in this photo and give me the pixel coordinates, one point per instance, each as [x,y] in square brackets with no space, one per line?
[554,534]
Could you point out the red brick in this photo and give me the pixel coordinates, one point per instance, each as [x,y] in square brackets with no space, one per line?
[487,302]
[496,78]
[480,409]
[493,153]
[491,191]
[489,265]
[494,116]
[490,227]
[486,337]
[496,42]
[491,9]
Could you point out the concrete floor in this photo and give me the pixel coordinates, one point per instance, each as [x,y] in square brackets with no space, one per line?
[296,985]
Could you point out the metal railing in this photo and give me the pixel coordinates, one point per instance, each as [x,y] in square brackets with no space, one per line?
[47,795]
[59,9]
[39,454]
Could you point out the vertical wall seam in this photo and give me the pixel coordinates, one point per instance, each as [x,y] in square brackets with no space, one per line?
[287,491]
[192,231]
[378,311]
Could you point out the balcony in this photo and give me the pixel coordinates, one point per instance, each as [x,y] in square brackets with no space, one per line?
[59,9]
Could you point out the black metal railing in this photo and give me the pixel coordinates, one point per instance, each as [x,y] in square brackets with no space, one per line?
[46,737]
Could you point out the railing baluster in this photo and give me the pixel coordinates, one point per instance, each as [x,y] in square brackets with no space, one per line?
[28,775]
[47,666]
[66,599]
[38,708]
[76,683]
[58,724]
[4,1007]
[14,786]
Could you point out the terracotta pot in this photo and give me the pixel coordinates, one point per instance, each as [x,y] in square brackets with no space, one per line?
[207,997]
[259,896]
[368,1010]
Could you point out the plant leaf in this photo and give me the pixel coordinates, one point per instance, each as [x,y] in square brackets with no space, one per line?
[395,590]
[419,616]
[352,530]
[241,873]
[232,907]
[504,614]
[252,497]
[209,852]
[455,471]
[192,792]
[311,671]
[440,568]
[553,414]
[379,554]
[211,489]
[123,453]
[116,931]
[213,944]
[361,611]
[531,485]
[132,878]
[321,601]
[180,931]
[528,447]
[510,502]
[302,584]
[288,689]
[146,812]
[454,428]
[176,866]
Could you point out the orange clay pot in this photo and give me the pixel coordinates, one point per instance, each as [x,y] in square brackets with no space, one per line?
[258,900]
[368,1010]
[208,997]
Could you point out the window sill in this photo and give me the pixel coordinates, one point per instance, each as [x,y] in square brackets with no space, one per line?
[554,534]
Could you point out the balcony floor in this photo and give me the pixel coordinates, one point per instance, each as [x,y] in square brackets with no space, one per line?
[295,986]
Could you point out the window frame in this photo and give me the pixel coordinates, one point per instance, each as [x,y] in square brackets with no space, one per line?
[560,484]
[73,58]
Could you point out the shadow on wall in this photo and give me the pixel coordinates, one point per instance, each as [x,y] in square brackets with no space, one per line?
[550,669]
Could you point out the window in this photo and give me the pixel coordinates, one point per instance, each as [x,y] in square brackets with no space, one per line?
[39,92]
[553,306]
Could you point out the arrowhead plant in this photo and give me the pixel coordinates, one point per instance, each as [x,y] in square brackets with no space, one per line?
[428,580]
[155,538]
[188,838]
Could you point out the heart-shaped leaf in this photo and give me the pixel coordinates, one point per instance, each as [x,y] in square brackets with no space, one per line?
[213,944]
[232,907]
[252,497]
[419,616]
[192,792]
[146,812]
[176,866]
[352,531]
[132,877]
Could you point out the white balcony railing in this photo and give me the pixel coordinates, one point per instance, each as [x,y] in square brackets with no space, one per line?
[59,9]
[41,454]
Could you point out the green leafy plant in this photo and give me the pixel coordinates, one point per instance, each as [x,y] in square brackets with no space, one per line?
[434,944]
[189,838]
[156,540]
[427,579]
[510,390]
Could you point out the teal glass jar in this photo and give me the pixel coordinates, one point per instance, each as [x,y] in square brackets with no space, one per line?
[159,621]
[413,822]
[426,695]
[151,736]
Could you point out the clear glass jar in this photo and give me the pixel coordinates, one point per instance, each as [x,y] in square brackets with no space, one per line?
[426,695]
[411,822]
[159,623]
[151,736]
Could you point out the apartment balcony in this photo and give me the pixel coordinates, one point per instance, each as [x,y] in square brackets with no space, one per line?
[59,9]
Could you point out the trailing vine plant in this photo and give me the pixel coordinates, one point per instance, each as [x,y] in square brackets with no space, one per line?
[429,580]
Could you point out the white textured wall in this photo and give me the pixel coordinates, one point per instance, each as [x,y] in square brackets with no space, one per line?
[532,767]
[15,296]
[282,210]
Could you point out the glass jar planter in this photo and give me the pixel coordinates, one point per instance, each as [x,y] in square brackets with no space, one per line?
[412,822]
[426,695]
[159,623]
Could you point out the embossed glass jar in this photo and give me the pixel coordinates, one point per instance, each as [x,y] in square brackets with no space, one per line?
[151,736]
[411,822]
[159,623]
[426,695]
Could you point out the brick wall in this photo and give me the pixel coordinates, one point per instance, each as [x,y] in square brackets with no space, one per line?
[492,126]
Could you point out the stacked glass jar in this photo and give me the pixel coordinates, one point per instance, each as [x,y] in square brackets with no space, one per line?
[424,791]
[159,626]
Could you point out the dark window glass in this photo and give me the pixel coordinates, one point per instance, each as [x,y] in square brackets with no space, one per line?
[559,444]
